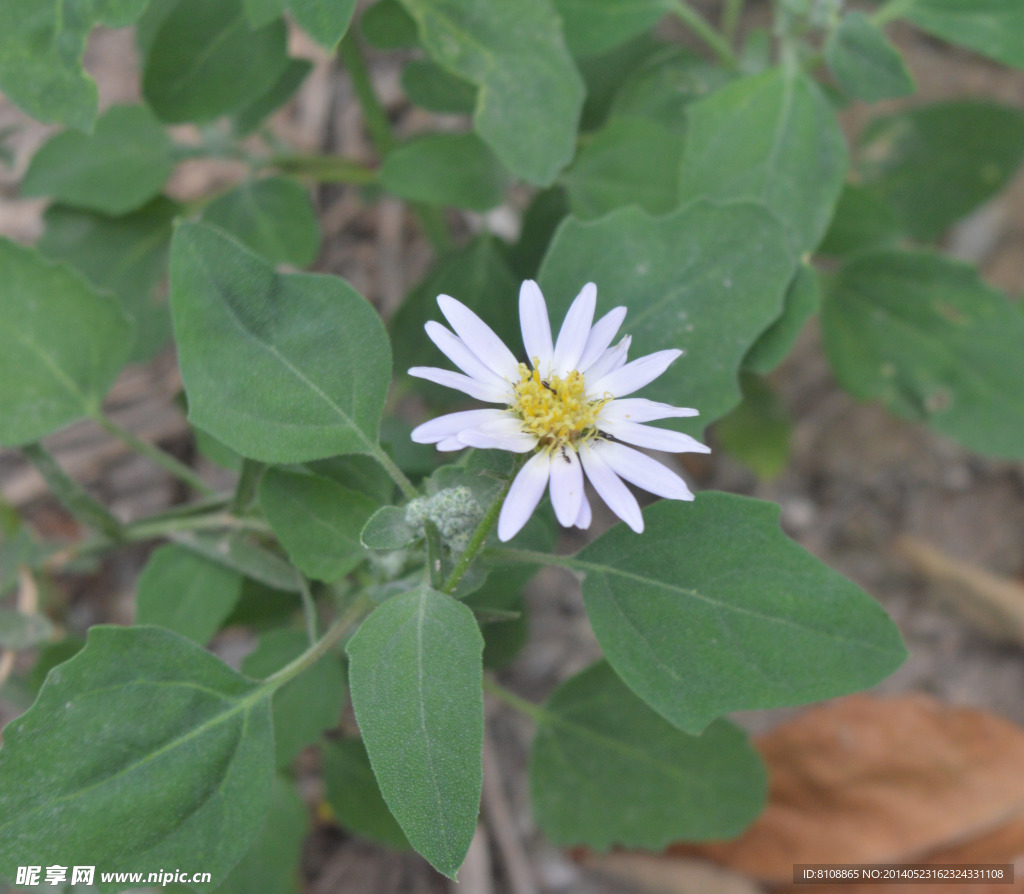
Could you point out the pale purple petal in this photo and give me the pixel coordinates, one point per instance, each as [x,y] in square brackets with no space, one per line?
[533,319]
[639,469]
[523,496]
[609,361]
[451,424]
[634,375]
[566,486]
[572,337]
[654,438]
[456,350]
[639,409]
[611,489]
[600,337]
[585,517]
[479,338]
[450,444]
[516,443]
[489,393]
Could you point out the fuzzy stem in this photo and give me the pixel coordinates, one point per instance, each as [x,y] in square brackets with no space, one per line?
[698,24]
[166,462]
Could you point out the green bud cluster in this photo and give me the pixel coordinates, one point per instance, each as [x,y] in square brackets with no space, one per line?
[454,511]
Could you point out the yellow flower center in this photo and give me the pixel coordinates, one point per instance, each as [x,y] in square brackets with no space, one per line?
[556,410]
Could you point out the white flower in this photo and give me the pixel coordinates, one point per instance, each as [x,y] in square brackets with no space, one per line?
[566,406]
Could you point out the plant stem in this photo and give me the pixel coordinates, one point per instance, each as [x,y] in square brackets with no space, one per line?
[479,538]
[530,709]
[731,18]
[71,494]
[407,488]
[889,11]
[325,168]
[166,462]
[696,22]
[433,538]
[322,646]
[530,557]
[379,126]
[308,609]
[376,117]
[245,489]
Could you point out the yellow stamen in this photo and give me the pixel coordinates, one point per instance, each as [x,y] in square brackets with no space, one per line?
[555,410]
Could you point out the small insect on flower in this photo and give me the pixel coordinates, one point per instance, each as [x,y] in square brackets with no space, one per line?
[566,407]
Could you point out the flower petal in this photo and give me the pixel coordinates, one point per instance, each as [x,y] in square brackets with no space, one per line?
[634,375]
[451,424]
[654,438]
[566,486]
[600,337]
[450,444]
[610,488]
[639,409]
[533,319]
[585,517]
[492,394]
[609,361]
[523,496]
[572,337]
[639,469]
[456,350]
[515,443]
[479,338]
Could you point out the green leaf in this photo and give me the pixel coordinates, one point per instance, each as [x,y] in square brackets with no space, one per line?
[540,220]
[271,865]
[387,529]
[41,54]
[740,618]
[605,73]
[358,473]
[250,117]
[61,345]
[773,138]
[925,336]
[478,275]
[235,552]
[445,169]
[530,93]
[802,300]
[306,705]
[119,167]
[863,219]
[436,90]
[708,279]
[936,163]
[631,161]
[205,61]
[186,593]
[864,63]
[757,431]
[261,12]
[387,26]
[321,387]
[994,28]
[18,631]
[144,751]
[605,769]
[667,81]
[317,521]
[354,796]
[125,255]
[416,672]
[272,217]
[326,21]
[592,28]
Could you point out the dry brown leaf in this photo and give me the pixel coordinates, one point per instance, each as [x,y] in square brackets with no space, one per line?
[873,780]
[992,603]
[657,875]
